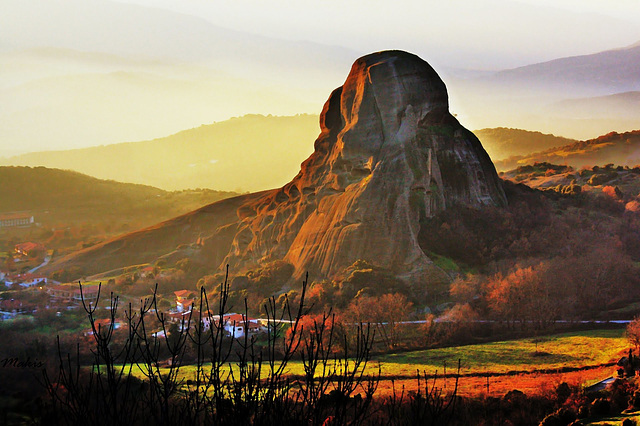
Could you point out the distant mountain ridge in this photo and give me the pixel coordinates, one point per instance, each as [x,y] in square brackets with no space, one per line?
[269,147]
[610,70]
[621,106]
[578,96]
[65,197]
[501,143]
[248,153]
[621,149]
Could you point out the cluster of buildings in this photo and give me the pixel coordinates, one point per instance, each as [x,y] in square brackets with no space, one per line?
[69,296]
[61,296]
[26,256]
[25,252]
[236,325]
[23,280]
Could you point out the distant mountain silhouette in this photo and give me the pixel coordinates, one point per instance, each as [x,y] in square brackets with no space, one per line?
[502,143]
[63,197]
[621,149]
[624,107]
[249,153]
[601,73]
[579,96]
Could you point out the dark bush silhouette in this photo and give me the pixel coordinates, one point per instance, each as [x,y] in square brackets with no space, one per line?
[231,381]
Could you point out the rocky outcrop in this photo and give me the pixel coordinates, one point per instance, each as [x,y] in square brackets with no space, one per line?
[389,154]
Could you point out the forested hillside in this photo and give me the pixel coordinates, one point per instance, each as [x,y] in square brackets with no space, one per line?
[64,197]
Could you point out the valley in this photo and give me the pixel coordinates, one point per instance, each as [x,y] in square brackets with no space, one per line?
[404,244]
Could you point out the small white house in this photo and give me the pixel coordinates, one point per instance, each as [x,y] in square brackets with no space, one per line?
[234,324]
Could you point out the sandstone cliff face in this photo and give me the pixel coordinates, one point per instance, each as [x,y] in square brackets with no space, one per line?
[389,153]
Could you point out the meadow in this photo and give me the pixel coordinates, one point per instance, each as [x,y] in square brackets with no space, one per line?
[532,365]
[567,350]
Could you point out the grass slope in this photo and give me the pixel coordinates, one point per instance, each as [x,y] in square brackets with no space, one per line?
[576,349]
[512,362]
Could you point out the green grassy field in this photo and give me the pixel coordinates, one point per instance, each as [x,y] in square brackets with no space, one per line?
[576,349]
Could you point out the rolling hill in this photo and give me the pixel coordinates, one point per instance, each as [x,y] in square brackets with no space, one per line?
[618,148]
[62,197]
[501,143]
[618,182]
[249,153]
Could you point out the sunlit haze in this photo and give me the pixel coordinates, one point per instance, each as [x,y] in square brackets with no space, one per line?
[80,73]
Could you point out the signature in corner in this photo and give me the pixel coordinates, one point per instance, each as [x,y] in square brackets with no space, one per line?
[19,363]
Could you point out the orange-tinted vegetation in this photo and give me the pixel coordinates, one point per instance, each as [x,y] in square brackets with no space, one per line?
[536,383]
[543,258]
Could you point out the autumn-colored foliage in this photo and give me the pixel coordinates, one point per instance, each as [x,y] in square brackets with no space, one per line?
[542,258]
[386,312]
[633,332]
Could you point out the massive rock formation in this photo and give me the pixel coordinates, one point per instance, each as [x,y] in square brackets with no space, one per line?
[389,154]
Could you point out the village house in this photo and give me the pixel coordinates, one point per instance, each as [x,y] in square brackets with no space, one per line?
[29,249]
[25,280]
[148,272]
[15,220]
[235,325]
[71,293]
[181,318]
[184,300]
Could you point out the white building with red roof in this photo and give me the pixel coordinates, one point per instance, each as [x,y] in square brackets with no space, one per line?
[236,325]
[25,280]
[184,300]
[29,248]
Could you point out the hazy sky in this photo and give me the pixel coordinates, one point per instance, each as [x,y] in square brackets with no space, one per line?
[79,73]
[482,25]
